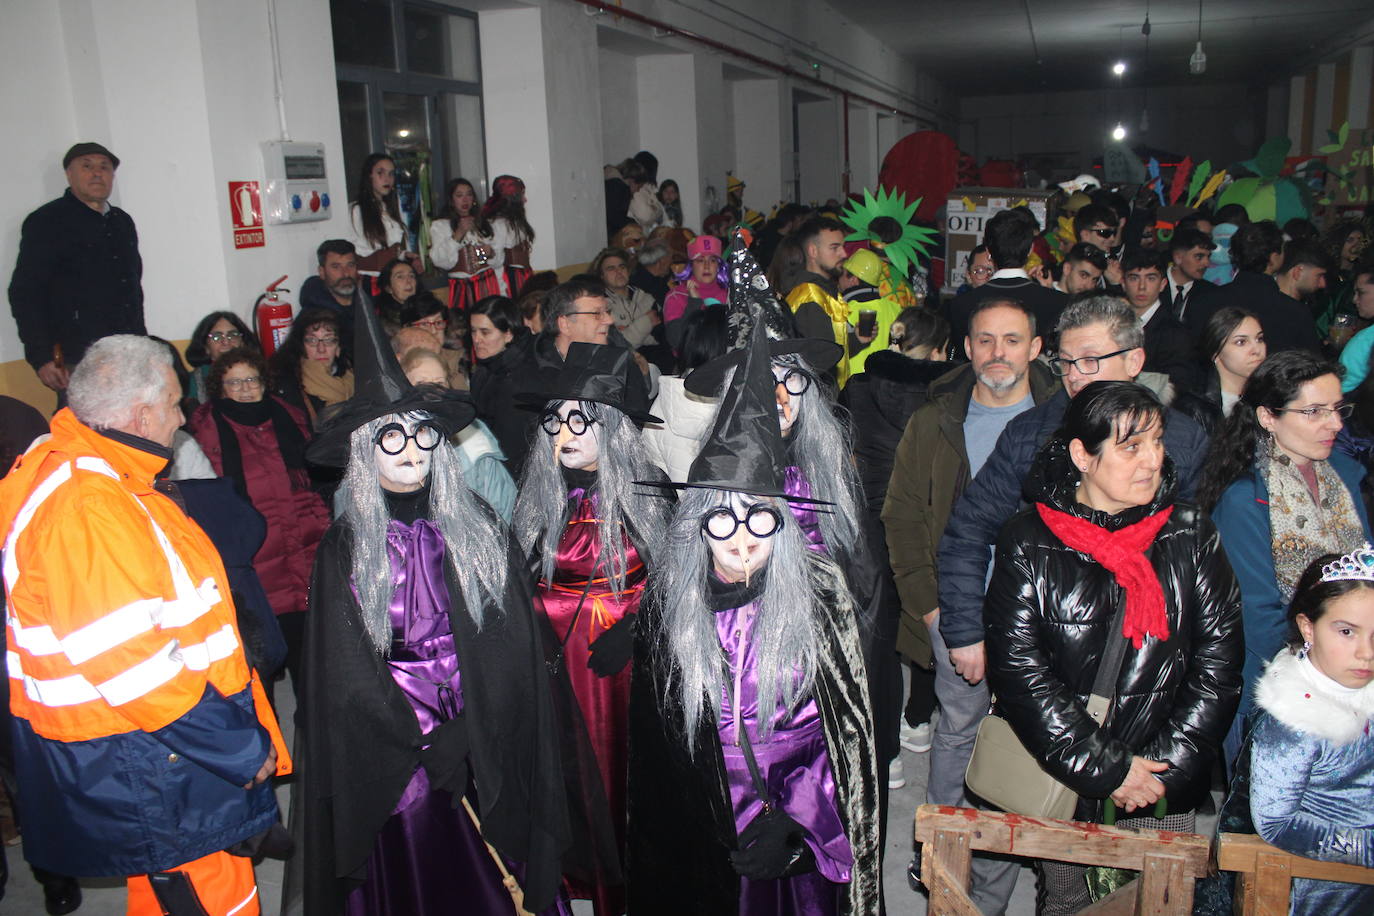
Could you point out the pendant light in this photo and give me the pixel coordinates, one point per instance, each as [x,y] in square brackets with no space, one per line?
[1197,64]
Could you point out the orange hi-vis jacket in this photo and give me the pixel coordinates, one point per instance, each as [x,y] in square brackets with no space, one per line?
[119,626]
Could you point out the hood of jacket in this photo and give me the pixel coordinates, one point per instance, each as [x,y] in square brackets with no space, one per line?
[1053,480]
[897,383]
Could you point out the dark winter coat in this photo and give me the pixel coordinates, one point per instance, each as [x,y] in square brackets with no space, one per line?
[994,495]
[1048,614]
[495,382]
[930,473]
[1287,323]
[881,400]
[296,516]
[78,278]
[1046,303]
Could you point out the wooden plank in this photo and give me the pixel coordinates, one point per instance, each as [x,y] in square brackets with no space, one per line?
[1273,884]
[1065,841]
[1120,902]
[1165,887]
[1240,852]
[945,864]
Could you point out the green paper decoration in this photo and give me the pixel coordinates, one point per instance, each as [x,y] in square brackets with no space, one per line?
[1200,175]
[915,240]
[1268,162]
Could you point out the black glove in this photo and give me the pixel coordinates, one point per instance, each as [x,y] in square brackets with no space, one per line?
[773,846]
[612,650]
[446,757]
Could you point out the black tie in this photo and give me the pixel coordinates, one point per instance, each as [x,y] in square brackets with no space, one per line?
[1180,301]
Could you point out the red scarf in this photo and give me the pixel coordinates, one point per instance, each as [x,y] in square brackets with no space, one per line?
[1122,553]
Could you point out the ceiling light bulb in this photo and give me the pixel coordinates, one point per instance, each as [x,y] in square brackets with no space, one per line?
[1119,67]
[403,132]
[1119,132]
[1198,62]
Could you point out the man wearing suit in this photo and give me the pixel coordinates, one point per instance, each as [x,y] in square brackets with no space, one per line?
[1190,254]
[1168,346]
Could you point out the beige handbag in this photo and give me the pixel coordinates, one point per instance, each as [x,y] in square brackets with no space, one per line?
[1001,770]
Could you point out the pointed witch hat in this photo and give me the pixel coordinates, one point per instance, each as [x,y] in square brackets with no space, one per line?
[745,451]
[595,372]
[381,389]
[752,303]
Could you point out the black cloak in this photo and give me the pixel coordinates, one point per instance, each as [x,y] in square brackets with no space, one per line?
[358,740]
[682,828]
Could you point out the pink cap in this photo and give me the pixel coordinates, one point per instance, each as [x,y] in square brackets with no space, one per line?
[704,245]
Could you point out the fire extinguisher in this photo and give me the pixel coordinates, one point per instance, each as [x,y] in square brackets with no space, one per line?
[272,317]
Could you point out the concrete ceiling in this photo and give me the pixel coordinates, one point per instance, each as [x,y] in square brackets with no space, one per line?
[983,47]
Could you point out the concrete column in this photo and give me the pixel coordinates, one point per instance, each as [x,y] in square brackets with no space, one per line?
[819,130]
[1297,97]
[1326,99]
[1361,83]
[668,126]
[759,140]
[863,147]
[544,126]
[619,83]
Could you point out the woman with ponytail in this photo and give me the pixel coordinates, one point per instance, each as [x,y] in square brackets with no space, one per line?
[1280,496]
[1105,555]
[512,237]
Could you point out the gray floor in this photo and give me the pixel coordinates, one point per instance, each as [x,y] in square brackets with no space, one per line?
[107,898]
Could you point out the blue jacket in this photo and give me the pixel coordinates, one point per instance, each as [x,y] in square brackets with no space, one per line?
[1242,518]
[995,495]
[157,807]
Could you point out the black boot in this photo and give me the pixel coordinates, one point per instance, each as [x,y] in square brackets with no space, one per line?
[61,894]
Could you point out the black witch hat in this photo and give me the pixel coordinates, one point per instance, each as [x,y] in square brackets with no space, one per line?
[744,451]
[600,373]
[752,302]
[380,389]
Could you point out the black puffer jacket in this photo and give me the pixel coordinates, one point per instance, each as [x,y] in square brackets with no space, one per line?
[882,399]
[1048,612]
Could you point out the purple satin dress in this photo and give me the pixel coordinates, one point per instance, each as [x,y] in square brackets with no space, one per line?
[797,485]
[428,854]
[795,766]
[603,701]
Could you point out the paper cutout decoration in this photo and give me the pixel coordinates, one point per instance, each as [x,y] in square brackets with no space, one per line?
[1180,178]
[902,251]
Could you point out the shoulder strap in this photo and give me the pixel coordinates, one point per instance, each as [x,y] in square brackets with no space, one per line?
[748,747]
[1109,669]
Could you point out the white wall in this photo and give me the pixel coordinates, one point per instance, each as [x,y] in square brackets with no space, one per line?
[761,108]
[820,131]
[184,105]
[1223,123]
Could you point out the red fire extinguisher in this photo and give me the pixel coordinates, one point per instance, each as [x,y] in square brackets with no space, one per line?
[272,317]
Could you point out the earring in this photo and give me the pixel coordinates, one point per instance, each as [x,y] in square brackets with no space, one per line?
[1305,647]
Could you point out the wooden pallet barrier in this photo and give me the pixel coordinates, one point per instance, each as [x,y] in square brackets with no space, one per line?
[1168,862]
[1265,873]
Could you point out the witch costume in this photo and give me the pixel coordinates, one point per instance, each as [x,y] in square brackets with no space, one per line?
[428,764]
[588,534]
[747,796]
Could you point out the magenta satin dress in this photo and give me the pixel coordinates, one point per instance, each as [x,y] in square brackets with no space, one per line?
[604,702]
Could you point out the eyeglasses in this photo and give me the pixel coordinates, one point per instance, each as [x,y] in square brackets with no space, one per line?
[981,271]
[435,324]
[1319,413]
[1103,233]
[795,381]
[393,438]
[221,336]
[761,521]
[577,422]
[599,313]
[1086,365]
[235,384]
[321,341]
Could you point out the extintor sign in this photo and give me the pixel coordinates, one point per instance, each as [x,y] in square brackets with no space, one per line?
[245,214]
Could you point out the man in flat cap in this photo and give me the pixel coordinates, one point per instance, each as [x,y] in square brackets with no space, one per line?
[79,276]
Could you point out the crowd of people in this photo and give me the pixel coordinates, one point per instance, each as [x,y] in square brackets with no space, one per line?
[634,588]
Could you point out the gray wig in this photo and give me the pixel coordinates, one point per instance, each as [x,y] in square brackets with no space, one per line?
[477,545]
[821,447]
[787,635]
[541,508]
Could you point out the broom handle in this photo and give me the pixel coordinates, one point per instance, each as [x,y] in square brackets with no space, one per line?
[516,894]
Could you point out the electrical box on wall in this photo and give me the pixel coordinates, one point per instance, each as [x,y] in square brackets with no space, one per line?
[296,189]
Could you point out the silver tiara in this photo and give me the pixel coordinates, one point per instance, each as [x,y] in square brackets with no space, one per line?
[1358,564]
